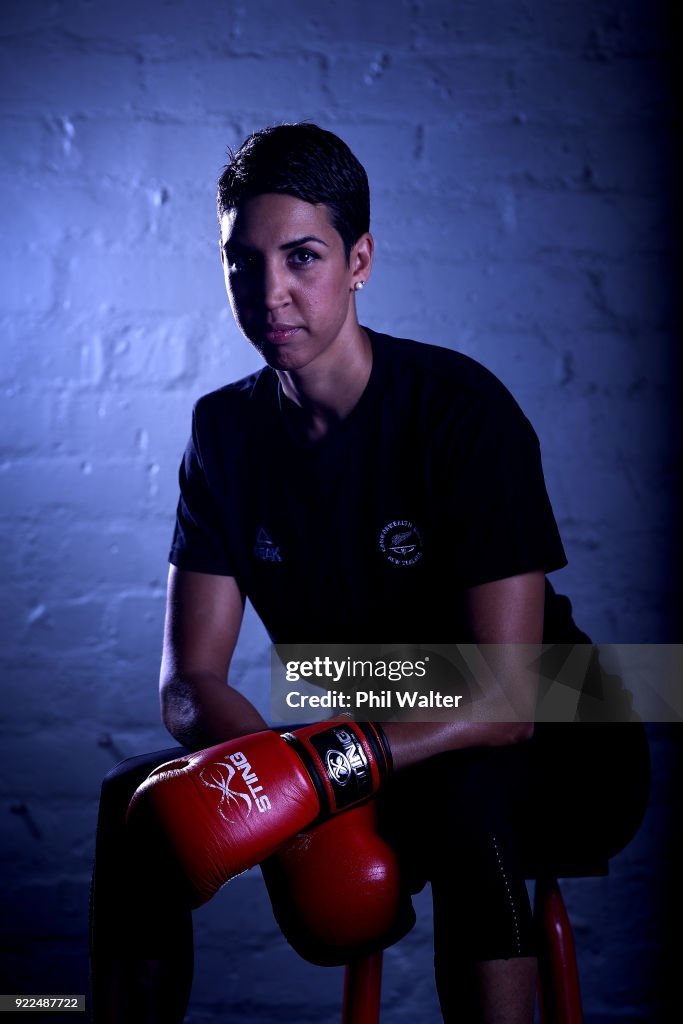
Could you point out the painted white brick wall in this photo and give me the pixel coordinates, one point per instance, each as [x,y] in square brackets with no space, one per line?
[522,169]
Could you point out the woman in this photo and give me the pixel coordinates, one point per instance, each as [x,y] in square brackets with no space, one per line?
[294,485]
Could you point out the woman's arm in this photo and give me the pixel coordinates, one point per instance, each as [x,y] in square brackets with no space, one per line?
[508,613]
[203,618]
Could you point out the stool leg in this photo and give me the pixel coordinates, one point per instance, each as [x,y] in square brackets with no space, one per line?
[362,990]
[559,989]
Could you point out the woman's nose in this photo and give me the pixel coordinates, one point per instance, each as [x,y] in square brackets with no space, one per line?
[275,289]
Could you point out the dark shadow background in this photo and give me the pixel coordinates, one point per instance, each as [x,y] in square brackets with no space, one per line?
[525,180]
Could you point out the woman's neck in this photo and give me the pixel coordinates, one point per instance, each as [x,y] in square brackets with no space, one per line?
[326,391]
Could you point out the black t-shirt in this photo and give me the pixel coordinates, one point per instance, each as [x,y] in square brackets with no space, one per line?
[432,484]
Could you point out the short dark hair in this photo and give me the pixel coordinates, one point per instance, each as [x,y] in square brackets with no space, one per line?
[304,161]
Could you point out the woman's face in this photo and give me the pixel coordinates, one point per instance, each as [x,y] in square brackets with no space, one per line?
[289,284]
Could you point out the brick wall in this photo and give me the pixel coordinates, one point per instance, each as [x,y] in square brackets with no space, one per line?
[523,175]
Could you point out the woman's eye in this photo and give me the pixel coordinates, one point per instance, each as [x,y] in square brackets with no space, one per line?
[238,263]
[302,257]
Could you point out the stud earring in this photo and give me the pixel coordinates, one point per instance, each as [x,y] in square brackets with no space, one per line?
[358,285]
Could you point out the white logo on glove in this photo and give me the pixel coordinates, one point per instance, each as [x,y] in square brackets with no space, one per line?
[338,766]
[220,775]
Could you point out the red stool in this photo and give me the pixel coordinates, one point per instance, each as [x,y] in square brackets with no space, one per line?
[625,794]
[363,990]
[559,992]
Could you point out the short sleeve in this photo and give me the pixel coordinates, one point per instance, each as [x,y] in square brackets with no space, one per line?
[499,501]
[199,537]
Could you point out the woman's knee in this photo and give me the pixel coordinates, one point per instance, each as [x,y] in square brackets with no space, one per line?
[132,771]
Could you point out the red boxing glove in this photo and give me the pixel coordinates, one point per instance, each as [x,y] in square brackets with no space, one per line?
[336,890]
[224,809]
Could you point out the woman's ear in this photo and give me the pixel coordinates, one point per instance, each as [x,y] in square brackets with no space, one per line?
[360,260]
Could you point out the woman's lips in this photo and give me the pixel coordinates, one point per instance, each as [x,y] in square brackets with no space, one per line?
[278,333]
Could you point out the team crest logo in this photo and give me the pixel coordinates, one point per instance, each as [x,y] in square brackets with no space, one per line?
[401,542]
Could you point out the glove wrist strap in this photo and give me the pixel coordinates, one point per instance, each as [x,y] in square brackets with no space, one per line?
[347,762]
